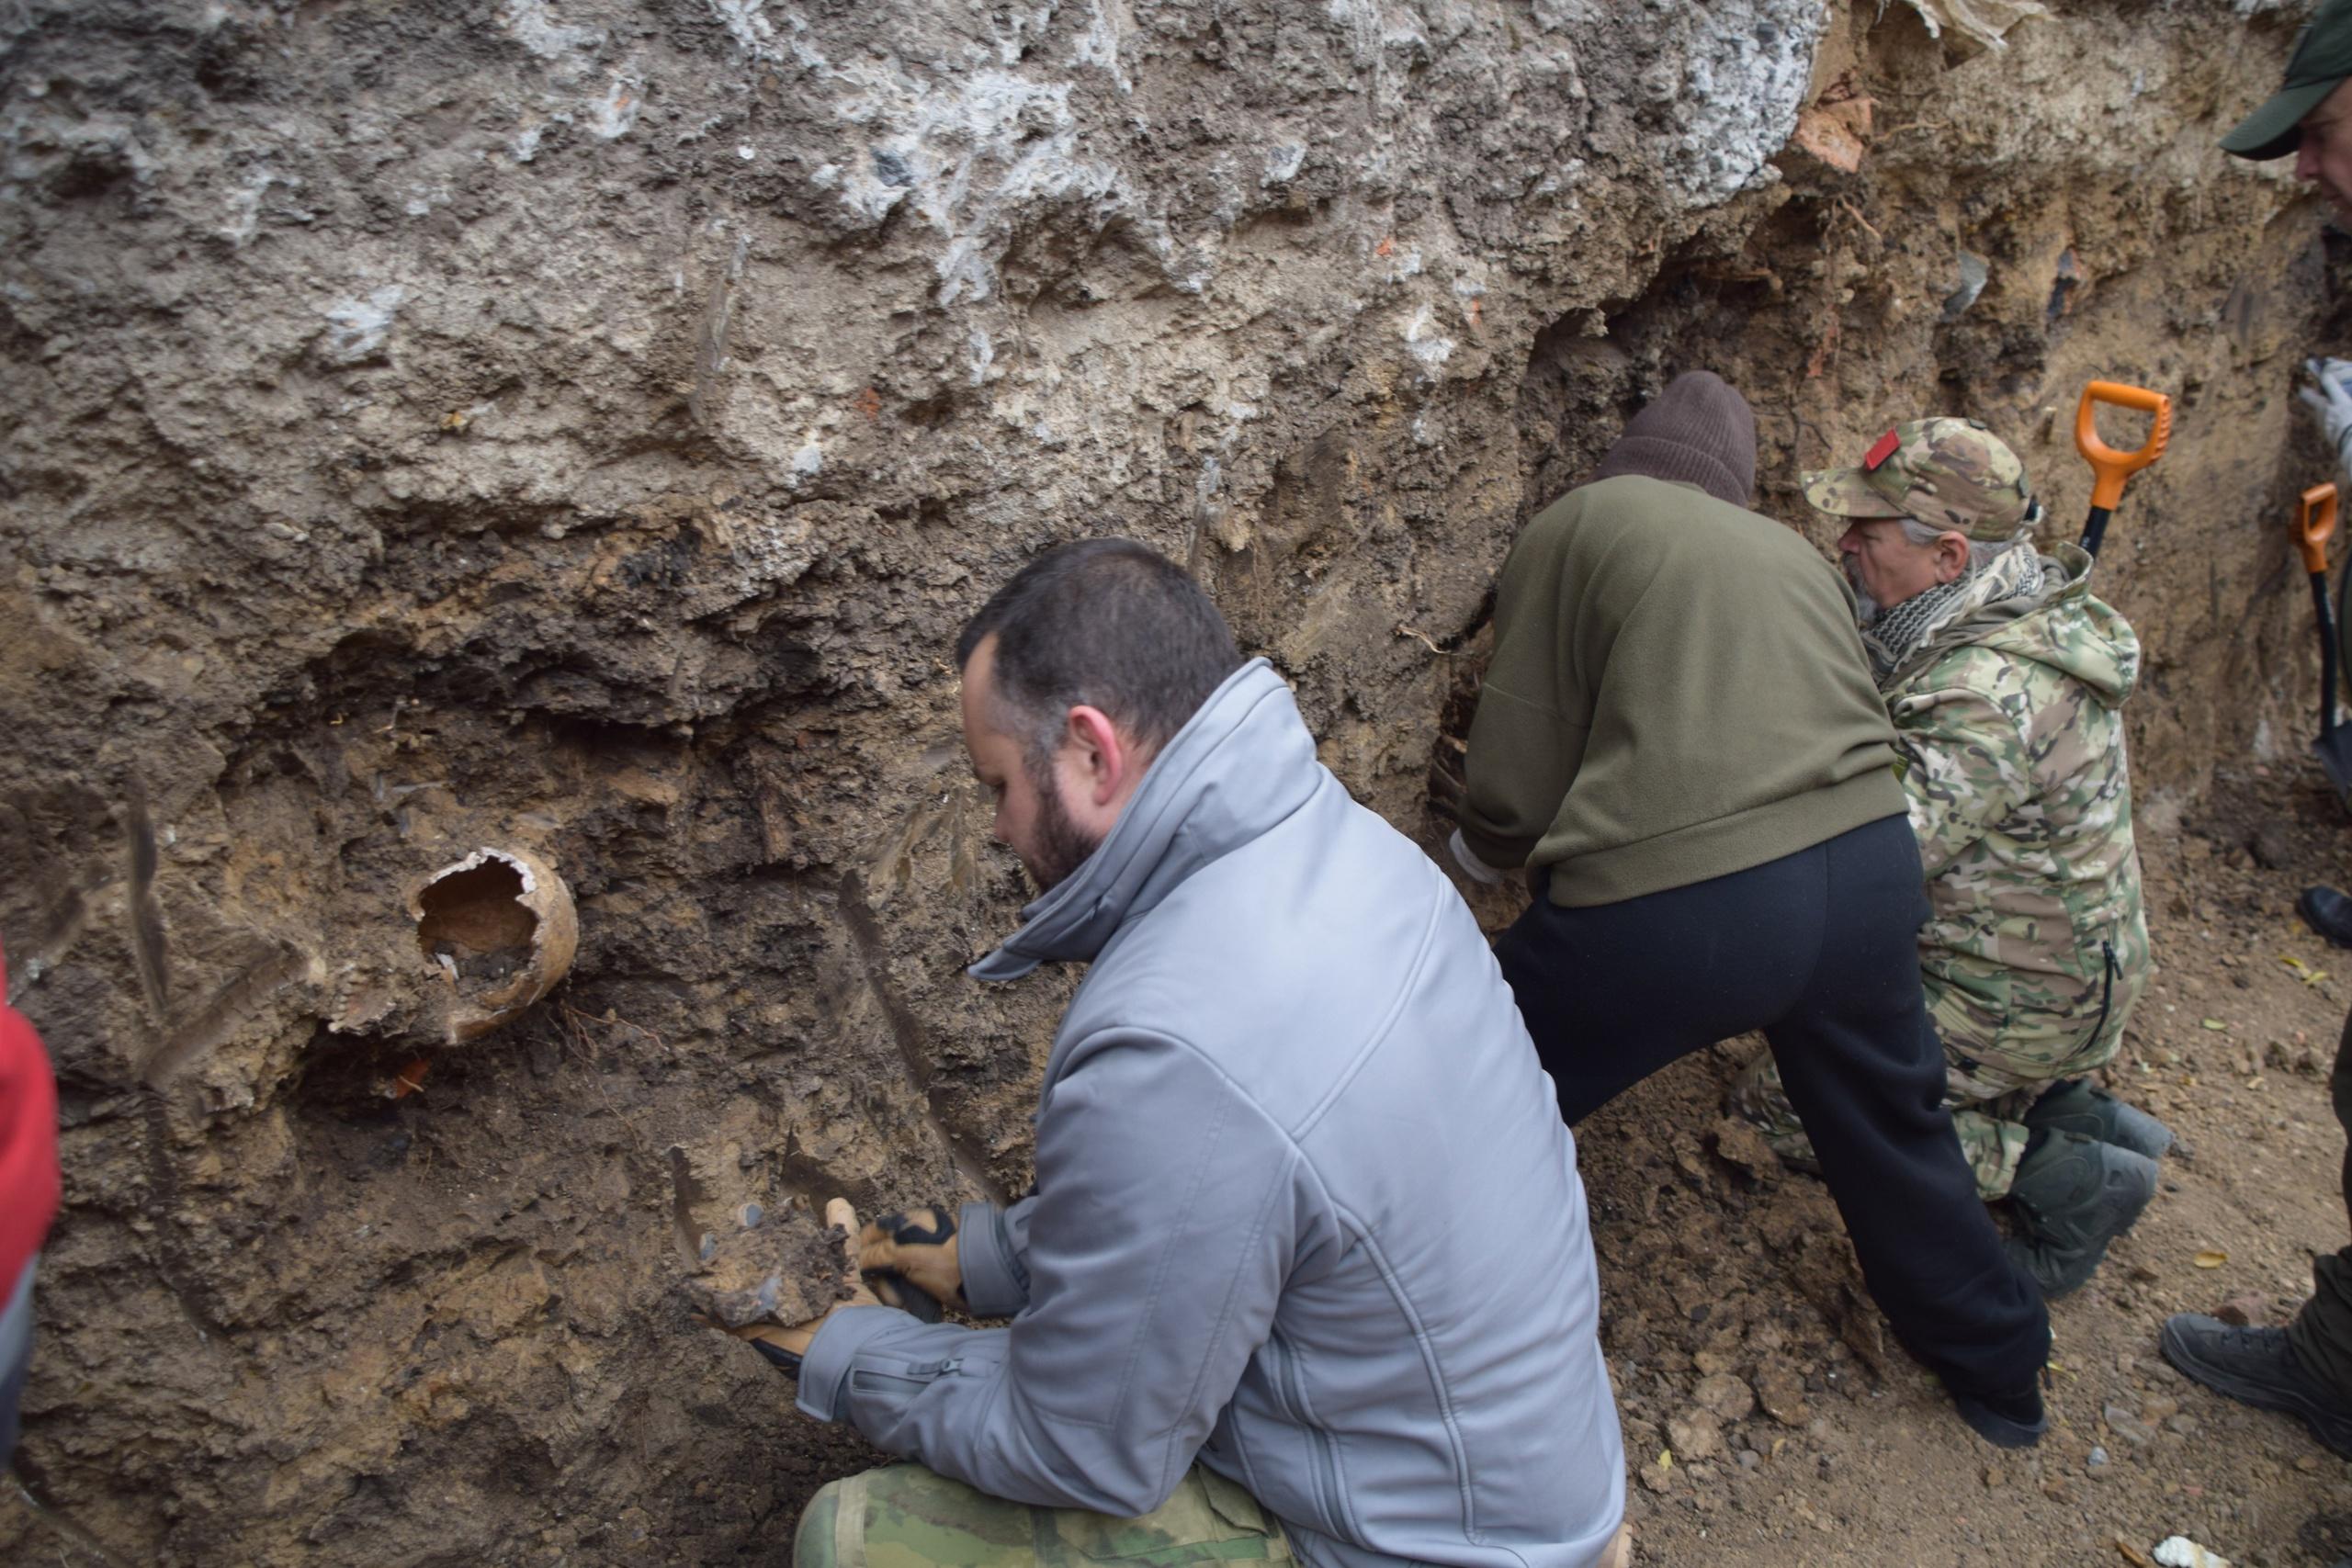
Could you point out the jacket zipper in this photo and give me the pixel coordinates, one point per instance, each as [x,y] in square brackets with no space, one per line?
[913,1382]
[2109,968]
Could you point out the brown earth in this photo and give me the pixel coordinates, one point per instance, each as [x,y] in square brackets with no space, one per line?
[577,428]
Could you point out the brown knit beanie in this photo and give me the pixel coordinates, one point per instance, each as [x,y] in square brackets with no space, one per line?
[1698,432]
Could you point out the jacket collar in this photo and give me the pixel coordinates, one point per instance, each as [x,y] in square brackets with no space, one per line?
[1242,763]
[1992,603]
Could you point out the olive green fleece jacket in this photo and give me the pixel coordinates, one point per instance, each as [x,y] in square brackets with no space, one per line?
[1677,693]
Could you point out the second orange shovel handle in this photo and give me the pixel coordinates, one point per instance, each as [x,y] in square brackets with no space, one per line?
[2112,468]
[2314,526]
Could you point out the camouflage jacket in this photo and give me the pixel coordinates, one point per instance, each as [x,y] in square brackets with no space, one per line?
[2009,728]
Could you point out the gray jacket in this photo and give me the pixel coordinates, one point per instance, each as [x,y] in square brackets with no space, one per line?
[1305,1210]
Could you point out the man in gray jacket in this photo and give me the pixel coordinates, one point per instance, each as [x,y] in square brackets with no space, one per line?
[1306,1269]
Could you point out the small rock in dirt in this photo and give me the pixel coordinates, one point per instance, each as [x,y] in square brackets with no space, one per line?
[1696,1435]
[1738,1143]
[2157,1407]
[1781,1393]
[2251,1309]
[2182,1425]
[2096,1463]
[1996,1477]
[2272,846]
[1749,1458]
[1727,1397]
[1658,1475]
[2179,1551]
[2128,1427]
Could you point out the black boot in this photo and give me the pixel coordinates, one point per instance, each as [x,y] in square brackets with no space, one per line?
[2073,1195]
[2258,1367]
[2006,1421]
[2327,913]
[2076,1106]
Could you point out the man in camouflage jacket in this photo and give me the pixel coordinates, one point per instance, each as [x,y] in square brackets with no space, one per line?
[2006,680]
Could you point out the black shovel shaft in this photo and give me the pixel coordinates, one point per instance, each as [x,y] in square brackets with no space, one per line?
[2326,657]
[2094,530]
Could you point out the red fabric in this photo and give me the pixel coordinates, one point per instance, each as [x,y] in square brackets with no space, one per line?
[28,1142]
[1881,450]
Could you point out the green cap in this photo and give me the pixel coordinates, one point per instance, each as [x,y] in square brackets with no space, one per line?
[2323,58]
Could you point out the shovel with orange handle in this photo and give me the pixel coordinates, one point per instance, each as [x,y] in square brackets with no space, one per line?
[2315,525]
[2110,468]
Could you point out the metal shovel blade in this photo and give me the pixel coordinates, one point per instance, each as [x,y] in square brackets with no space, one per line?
[2334,750]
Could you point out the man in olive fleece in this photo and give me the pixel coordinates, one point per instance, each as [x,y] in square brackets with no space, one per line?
[1679,736]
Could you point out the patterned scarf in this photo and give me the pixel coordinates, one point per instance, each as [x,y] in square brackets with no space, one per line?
[1898,632]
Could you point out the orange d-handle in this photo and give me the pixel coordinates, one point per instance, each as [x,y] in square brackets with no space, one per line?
[2112,468]
[2314,526]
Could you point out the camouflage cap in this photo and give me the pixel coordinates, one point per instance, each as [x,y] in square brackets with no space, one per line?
[1948,473]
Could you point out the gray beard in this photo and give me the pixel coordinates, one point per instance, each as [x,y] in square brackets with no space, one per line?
[1866,610]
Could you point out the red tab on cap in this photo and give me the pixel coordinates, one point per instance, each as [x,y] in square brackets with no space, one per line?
[1881,450]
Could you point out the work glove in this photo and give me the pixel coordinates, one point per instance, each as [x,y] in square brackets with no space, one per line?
[917,1246]
[2331,405]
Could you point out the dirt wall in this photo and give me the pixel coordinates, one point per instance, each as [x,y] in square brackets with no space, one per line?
[579,429]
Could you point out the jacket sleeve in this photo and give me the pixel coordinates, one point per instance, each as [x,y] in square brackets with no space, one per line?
[992,1251]
[1158,1242]
[1965,767]
[1522,757]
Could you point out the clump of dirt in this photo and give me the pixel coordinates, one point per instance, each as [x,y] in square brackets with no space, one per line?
[783,1268]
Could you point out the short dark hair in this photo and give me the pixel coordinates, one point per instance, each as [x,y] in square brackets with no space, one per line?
[1109,622]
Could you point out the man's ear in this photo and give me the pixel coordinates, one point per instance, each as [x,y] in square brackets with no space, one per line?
[1102,753]
[1951,557]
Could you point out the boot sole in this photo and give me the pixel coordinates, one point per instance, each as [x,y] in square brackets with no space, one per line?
[2333,1427]
[1995,1429]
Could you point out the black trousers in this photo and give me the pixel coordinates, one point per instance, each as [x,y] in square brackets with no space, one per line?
[2321,1332]
[1818,950]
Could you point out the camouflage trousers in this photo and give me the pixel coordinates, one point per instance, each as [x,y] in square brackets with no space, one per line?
[903,1515]
[1992,1132]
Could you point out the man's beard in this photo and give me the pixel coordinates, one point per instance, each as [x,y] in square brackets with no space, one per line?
[1062,845]
[1865,609]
